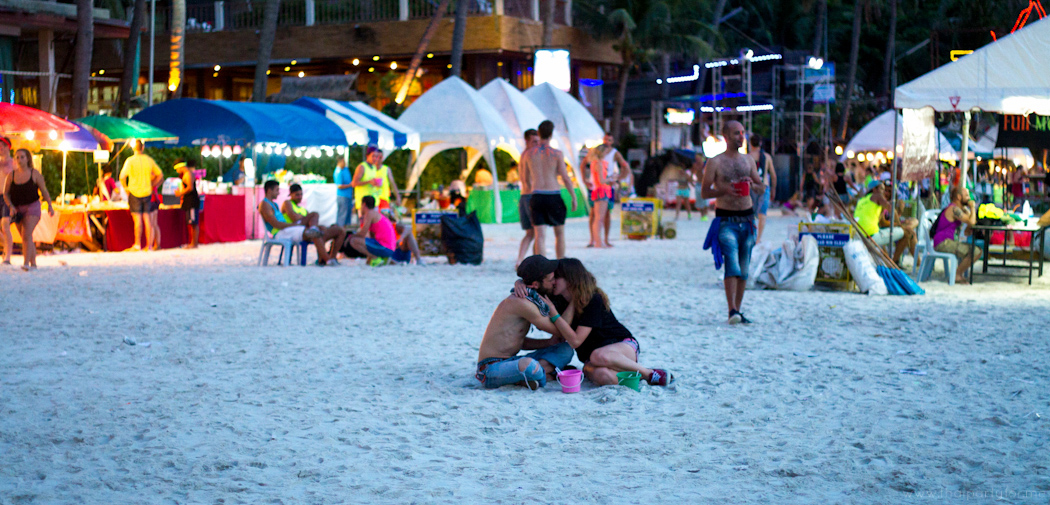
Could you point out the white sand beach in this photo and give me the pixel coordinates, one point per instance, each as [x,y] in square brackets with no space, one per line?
[355,385]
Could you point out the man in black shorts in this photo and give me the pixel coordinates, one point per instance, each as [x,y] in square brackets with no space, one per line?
[532,139]
[544,165]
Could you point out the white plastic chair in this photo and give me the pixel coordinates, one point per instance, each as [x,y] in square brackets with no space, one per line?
[287,246]
[930,256]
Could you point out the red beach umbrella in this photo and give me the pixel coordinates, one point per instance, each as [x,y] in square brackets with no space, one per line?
[19,119]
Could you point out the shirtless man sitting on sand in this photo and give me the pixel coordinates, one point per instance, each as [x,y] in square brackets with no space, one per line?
[498,362]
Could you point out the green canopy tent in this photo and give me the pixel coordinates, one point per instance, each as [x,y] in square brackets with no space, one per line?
[124,130]
[120,129]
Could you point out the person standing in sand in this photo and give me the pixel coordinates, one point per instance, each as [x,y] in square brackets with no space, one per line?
[7,165]
[140,175]
[544,165]
[532,139]
[730,178]
[768,173]
[189,199]
[498,363]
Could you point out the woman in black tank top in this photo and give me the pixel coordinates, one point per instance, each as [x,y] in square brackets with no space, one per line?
[21,193]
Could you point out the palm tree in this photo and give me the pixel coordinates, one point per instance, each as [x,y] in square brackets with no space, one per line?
[459,32]
[129,80]
[82,64]
[891,49]
[178,44]
[851,81]
[642,29]
[262,59]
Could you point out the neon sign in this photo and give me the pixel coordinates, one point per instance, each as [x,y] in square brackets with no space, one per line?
[1022,18]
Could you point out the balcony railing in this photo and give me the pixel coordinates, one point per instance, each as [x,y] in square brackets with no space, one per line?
[248,14]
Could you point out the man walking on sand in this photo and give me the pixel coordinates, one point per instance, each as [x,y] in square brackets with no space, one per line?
[532,139]
[730,178]
[544,165]
[140,175]
[498,362]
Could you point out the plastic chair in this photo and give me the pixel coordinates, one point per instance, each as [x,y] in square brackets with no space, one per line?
[287,251]
[930,256]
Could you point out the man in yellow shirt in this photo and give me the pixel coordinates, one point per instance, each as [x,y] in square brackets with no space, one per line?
[140,175]
[870,214]
[373,178]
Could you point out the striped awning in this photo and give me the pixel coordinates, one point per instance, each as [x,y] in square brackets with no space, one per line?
[363,124]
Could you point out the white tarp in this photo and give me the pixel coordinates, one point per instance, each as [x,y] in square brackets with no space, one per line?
[1007,76]
[877,136]
[451,115]
[512,105]
[574,127]
[919,159]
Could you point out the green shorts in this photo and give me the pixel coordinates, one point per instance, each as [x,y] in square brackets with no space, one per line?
[959,249]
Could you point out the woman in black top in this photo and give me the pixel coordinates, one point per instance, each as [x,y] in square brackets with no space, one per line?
[602,344]
[22,192]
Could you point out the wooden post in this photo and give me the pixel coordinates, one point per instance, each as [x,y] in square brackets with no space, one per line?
[46,54]
[402,10]
[220,16]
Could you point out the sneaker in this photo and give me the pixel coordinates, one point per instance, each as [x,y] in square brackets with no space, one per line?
[743,320]
[333,262]
[377,262]
[661,377]
[735,317]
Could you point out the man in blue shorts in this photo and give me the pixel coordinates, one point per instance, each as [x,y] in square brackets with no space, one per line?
[768,174]
[730,178]
[498,360]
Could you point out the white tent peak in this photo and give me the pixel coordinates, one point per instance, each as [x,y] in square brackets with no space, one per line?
[877,136]
[451,115]
[1005,76]
[514,107]
[574,127]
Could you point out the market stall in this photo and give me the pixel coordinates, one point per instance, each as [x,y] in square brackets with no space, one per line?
[454,115]
[1004,77]
[264,131]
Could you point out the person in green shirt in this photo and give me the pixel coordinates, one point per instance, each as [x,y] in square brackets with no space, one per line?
[870,215]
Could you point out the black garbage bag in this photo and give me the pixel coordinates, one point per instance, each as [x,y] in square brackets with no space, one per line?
[462,238]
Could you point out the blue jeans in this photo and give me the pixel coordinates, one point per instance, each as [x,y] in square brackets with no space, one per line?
[736,237]
[496,372]
[344,209]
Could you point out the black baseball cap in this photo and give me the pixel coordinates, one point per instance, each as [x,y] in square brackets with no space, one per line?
[535,268]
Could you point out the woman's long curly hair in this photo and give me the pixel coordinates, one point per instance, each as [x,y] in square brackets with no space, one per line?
[581,283]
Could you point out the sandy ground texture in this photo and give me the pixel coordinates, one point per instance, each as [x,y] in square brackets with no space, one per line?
[355,385]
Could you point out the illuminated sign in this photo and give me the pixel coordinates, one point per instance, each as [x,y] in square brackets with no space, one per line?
[1022,18]
[552,65]
[680,116]
[959,53]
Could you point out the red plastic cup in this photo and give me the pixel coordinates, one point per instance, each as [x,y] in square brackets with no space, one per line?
[743,187]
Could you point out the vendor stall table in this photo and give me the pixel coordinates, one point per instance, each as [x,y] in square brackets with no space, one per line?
[480,200]
[1034,254]
[222,220]
[69,224]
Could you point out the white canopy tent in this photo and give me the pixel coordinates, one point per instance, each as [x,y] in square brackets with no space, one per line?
[574,127]
[877,136]
[519,113]
[1005,76]
[451,115]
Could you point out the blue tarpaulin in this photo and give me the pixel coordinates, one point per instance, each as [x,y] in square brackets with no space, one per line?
[198,121]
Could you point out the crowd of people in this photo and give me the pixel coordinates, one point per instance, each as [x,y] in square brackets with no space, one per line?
[370,193]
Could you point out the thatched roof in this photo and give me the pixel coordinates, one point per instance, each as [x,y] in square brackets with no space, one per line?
[335,87]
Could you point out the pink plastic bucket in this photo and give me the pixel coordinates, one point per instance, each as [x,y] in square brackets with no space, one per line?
[570,380]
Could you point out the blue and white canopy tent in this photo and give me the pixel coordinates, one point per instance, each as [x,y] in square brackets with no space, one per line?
[364,125]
